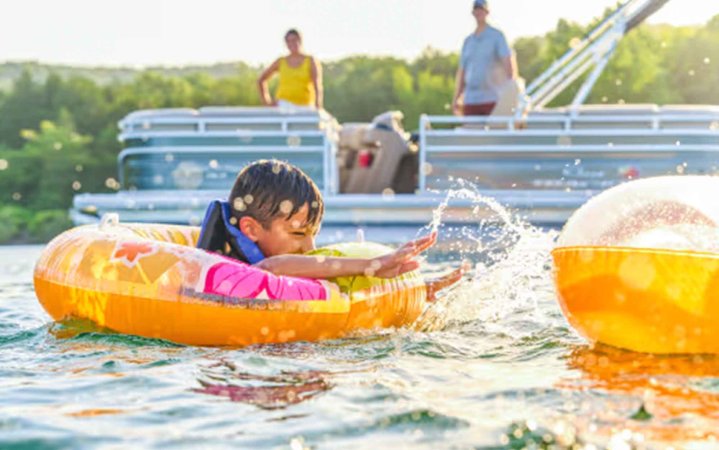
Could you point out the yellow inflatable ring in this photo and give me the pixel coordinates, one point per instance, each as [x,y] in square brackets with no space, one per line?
[637,267]
[151,281]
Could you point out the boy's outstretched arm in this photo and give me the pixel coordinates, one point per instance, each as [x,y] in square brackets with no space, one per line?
[435,285]
[387,266]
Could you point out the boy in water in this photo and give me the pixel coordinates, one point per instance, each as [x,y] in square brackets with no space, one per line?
[271,219]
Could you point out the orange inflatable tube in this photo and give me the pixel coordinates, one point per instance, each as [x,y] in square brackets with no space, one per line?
[149,280]
[637,267]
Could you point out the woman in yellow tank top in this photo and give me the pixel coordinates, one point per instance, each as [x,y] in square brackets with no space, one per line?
[300,76]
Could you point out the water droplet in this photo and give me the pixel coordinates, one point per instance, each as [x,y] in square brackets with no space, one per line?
[239,204]
[387,194]
[294,141]
[286,207]
[3,164]
[707,60]
[79,168]
[213,164]
[564,140]
[57,145]
[16,196]
[248,199]
[111,183]
[76,185]
[427,168]
[297,443]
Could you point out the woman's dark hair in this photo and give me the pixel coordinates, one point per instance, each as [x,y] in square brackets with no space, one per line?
[294,31]
[268,189]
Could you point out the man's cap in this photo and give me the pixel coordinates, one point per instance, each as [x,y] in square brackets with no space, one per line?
[480,4]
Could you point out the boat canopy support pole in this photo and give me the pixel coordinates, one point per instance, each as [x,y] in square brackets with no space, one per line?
[595,50]
[588,84]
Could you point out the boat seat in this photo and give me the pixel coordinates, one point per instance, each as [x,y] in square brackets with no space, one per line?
[370,154]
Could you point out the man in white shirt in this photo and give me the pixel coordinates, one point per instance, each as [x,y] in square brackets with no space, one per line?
[476,89]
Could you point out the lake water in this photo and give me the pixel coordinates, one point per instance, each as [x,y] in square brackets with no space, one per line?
[492,365]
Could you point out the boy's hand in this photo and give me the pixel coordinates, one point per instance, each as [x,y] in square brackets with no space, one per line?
[437,284]
[401,260]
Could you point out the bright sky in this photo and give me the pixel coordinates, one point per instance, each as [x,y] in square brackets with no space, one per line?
[179,32]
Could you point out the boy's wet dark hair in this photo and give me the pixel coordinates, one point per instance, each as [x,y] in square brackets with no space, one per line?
[269,189]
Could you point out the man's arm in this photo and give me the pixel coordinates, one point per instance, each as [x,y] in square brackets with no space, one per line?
[458,91]
[510,66]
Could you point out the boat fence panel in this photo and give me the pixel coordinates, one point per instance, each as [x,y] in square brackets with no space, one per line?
[215,167]
[593,149]
[146,125]
[204,149]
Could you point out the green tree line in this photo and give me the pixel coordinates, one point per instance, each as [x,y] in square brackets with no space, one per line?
[58,131]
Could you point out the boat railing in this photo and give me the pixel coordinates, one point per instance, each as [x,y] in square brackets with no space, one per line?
[236,135]
[540,150]
[227,160]
[149,123]
[498,124]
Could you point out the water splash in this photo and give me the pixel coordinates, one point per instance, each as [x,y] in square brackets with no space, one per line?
[509,259]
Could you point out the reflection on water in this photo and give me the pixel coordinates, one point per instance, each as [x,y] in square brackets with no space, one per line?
[653,398]
[492,364]
[224,379]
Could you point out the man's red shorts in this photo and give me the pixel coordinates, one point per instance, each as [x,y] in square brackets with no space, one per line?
[478,109]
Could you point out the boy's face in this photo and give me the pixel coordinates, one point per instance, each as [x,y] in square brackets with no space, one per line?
[288,235]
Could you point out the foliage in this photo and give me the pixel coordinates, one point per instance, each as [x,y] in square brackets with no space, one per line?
[652,64]
[22,225]
[14,220]
[47,224]
[57,161]
[58,125]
